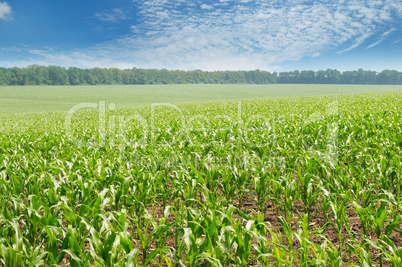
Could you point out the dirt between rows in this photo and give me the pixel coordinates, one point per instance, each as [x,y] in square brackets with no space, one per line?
[249,207]
[317,221]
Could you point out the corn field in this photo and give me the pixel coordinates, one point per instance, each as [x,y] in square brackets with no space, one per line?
[309,181]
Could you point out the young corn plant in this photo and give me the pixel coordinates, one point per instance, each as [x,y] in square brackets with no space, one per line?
[303,235]
[276,195]
[262,255]
[286,227]
[341,221]
[289,189]
[34,256]
[34,218]
[104,249]
[145,238]
[261,192]
[54,236]
[243,179]
[365,215]
[277,251]
[309,195]
[161,232]
[321,255]
[334,256]
[11,249]
[74,240]
[242,240]
[393,254]
[228,187]
[382,232]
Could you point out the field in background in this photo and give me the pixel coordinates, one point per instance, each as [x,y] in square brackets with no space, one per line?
[18,99]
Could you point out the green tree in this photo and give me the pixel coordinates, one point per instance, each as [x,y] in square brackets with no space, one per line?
[58,75]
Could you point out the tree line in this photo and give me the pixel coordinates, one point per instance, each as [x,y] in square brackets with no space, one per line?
[55,75]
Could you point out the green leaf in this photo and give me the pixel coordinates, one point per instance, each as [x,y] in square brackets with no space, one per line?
[242,214]
[152,255]
[391,227]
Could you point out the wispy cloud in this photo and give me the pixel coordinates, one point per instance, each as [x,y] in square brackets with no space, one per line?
[113,15]
[205,6]
[397,41]
[5,11]
[243,34]
[357,42]
[47,56]
[228,34]
[382,38]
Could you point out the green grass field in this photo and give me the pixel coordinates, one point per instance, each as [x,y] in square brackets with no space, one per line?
[19,99]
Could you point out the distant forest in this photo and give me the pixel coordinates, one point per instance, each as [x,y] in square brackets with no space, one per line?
[54,75]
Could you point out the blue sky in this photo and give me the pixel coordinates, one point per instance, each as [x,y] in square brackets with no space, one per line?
[277,35]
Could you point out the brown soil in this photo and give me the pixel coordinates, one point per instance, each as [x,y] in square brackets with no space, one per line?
[317,221]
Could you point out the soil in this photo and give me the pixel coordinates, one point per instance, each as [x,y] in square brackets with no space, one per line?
[317,221]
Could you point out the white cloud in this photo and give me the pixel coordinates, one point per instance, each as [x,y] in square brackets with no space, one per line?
[5,11]
[357,42]
[205,6]
[397,41]
[47,56]
[264,32]
[227,34]
[382,38]
[113,15]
